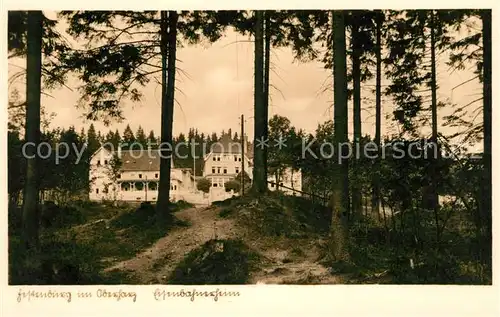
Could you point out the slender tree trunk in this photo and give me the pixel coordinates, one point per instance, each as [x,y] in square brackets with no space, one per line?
[435,159]
[30,217]
[265,89]
[378,113]
[356,80]
[487,122]
[169,50]
[260,112]
[340,192]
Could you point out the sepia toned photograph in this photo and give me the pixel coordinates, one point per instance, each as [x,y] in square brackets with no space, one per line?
[296,147]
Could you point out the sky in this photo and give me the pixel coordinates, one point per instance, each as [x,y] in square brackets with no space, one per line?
[218,88]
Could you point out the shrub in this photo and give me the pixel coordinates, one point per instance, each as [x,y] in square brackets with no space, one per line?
[204,185]
[215,262]
[232,185]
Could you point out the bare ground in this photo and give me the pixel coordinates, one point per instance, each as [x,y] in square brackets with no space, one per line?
[286,261]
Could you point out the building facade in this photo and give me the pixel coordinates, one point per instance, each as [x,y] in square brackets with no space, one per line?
[225,161]
[136,178]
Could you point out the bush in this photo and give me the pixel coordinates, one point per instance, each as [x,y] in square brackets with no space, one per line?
[181,205]
[232,185]
[54,216]
[226,212]
[59,263]
[204,185]
[215,262]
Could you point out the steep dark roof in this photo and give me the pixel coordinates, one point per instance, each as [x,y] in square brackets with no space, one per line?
[226,145]
[139,160]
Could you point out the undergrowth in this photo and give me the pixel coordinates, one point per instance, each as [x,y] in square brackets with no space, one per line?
[275,214]
[216,262]
[76,252]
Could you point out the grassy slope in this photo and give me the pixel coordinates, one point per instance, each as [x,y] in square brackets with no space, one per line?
[86,239]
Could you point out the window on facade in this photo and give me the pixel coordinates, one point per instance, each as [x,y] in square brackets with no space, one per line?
[239,159]
[98,162]
[125,186]
[225,170]
[218,158]
[119,176]
[214,184]
[213,170]
[97,190]
[237,170]
[140,175]
[214,158]
[156,175]
[105,162]
[153,186]
[175,187]
[218,170]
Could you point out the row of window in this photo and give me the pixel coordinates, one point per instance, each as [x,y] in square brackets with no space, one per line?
[217,182]
[127,187]
[139,175]
[218,169]
[217,158]
[99,162]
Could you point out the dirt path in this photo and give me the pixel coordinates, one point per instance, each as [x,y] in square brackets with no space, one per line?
[287,261]
[156,263]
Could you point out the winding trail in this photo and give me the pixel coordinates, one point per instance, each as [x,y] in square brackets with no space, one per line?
[156,263]
[282,263]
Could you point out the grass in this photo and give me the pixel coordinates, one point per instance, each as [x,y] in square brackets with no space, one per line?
[86,248]
[453,263]
[216,262]
[276,214]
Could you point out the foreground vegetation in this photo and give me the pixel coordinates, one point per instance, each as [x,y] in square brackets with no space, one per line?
[80,240]
[374,256]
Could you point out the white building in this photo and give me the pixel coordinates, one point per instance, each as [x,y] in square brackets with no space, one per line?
[224,162]
[137,179]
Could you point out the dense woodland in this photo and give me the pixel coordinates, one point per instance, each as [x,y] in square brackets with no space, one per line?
[122,50]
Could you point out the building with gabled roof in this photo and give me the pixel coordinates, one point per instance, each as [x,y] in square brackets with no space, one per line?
[137,176]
